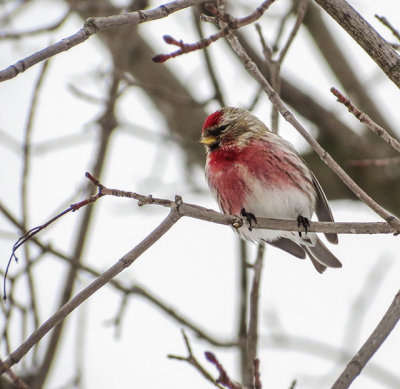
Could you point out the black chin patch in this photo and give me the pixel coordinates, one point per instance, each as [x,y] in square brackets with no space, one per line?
[214,146]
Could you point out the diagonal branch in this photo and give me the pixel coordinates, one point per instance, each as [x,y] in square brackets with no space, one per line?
[365,35]
[93,287]
[376,339]
[364,118]
[252,68]
[93,26]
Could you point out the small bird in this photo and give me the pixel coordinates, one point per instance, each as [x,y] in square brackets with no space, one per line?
[253,172]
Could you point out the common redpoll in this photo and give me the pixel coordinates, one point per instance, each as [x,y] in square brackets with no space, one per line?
[253,172]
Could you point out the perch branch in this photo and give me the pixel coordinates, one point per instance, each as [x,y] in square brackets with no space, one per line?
[254,71]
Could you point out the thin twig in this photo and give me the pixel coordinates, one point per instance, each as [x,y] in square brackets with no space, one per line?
[171,312]
[301,11]
[201,213]
[223,378]
[135,289]
[364,118]
[243,308]
[17,381]
[380,162]
[386,22]
[93,287]
[192,360]
[107,123]
[275,64]
[26,159]
[36,31]
[210,68]
[230,23]
[93,26]
[197,212]
[117,320]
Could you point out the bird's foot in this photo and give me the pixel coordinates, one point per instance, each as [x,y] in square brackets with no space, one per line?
[249,217]
[302,221]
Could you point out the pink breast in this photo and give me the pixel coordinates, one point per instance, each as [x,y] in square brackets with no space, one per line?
[232,171]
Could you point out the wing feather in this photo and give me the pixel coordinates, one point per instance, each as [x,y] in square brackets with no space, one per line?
[323,210]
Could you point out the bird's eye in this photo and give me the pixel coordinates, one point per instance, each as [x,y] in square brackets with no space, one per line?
[217,130]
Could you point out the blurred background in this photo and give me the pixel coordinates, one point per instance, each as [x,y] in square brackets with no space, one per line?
[105,107]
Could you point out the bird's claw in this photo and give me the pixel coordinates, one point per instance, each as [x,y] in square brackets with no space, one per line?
[303,221]
[249,217]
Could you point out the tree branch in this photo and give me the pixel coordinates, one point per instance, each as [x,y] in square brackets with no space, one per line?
[365,35]
[372,344]
[93,287]
[93,26]
[364,118]
[252,68]
[192,360]
[252,335]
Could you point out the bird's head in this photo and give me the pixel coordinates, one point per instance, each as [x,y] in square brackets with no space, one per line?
[231,127]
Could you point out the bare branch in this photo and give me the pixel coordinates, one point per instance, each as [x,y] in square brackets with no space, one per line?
[93,287]
[210,68]
[339,61]
[191,359]
[230,21]
[186,47]
[197,212]
[92,26]
[243,309]
[134,289]
[257,379]
[18,382]
[365,35]
[364,118]
[172,313]
[223,378]
[252,335]
[301,11]
[275,64]
[36,31]
[386,22]
[286,341]
[376,339]
[374,162]
[252,68]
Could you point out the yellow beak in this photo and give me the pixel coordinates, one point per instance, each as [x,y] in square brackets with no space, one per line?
[208,140]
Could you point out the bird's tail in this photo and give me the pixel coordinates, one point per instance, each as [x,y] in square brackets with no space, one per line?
[321,257]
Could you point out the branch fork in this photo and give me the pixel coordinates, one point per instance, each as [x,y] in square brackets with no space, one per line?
[223,20]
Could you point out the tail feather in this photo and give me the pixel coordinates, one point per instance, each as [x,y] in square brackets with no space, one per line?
[319,267]
[289,246]
[322,254]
